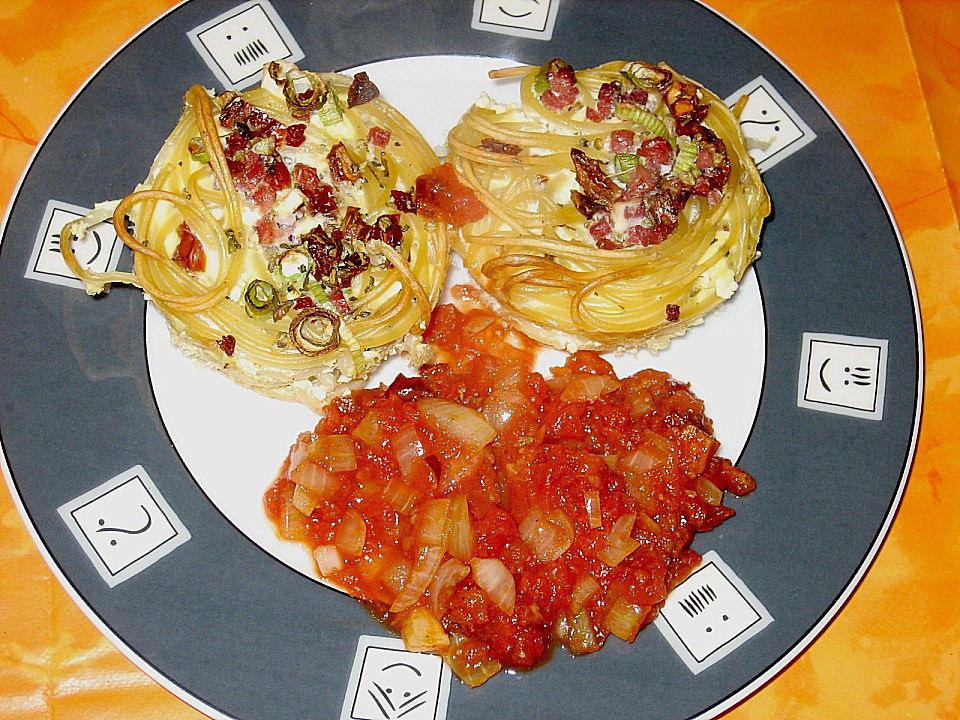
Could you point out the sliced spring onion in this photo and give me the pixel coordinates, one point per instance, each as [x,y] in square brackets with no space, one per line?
[649,121]
[331,111]
[259,298]
[304,91]
[422,632]
[624,163]
[315,331]
[496,582]
[686,160]
[294,265]
[198,152]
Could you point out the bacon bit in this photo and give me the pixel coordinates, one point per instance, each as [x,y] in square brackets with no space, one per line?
[621,141]
[342,167]
[228,343]
[673,313]
[378,136]
[656,150]
[295,135]
[495,146]
[562,88]
[319,195]
[362,90]
[189,253]
[607,98]
[303,302]
[647,236]
[268,232]
[440,195]
[601,230]
[403,201]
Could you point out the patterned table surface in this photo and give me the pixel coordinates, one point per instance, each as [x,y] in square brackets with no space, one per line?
[887,71]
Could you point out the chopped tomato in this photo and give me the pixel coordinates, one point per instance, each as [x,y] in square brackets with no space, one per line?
[504,511]
[440,195]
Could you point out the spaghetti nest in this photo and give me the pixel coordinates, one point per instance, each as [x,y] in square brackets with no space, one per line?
[623,203]
[276,232]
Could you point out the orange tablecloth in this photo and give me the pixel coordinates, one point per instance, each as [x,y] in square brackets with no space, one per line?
[890,73]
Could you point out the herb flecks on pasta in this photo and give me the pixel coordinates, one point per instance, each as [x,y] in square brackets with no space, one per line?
[623,205]
[277,232]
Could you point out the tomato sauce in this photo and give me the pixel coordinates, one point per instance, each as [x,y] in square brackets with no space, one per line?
[489,513]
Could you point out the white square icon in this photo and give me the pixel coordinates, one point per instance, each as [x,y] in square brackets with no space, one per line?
[772,129]
[388,682]
[98,250]
[843,374]
[710,614]
[238,43]
[124,525]
[521,18]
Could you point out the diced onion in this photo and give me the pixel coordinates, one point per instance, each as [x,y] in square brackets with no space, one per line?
[466,666]
[450,573]
[407,448]
[422,631]
[460,542]
[428,561]
[547,534]
[328,559]
[400,496]
[394,573]
[708,491]
[624,619]
[463,423]
[368,430]
[591,503]
[304,500]
[335,452]
[585,588]
[434,523]
[292,524]
[351,533]
[502,405]
[459,469]
[619,542]
[583,639]
[320,481]
[492,576]
[587,386]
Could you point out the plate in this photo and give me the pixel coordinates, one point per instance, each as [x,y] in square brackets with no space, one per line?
[812,373]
